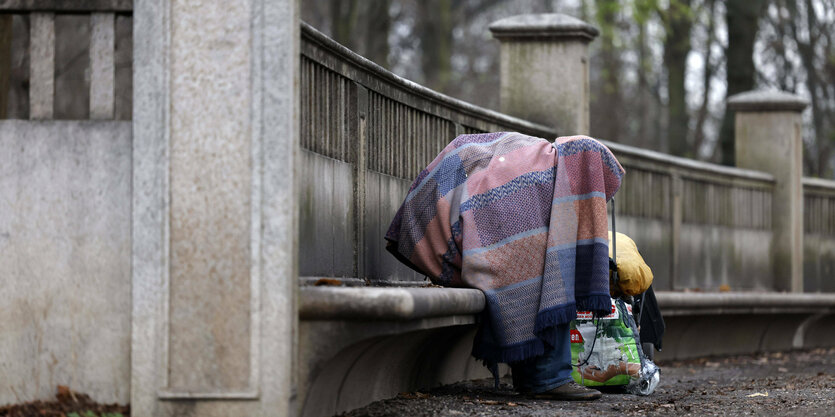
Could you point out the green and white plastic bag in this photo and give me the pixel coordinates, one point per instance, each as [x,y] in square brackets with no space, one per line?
[607,352]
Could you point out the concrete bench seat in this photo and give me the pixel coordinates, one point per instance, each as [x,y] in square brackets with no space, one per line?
[387,304]
[361,343]
[704,324]
[689,303]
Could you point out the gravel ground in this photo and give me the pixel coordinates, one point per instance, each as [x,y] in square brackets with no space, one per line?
[798,383]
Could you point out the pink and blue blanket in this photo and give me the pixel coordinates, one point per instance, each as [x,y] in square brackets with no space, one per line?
[520,218]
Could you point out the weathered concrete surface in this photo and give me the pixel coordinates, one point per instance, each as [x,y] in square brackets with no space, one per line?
[818,263]
[361,344]
[768,138]
[384,195]
[703,324]
[215,210]
[713,256]
[326,216]
[386,304]
[102,65]
[210,196]
[545,70]
[819,235]
[709,256]
[41,65]
[65,259]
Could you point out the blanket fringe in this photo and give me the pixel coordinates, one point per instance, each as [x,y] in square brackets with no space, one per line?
[545,330]
[600,304]
[554,317]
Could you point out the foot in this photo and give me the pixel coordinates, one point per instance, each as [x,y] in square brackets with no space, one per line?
[570,391]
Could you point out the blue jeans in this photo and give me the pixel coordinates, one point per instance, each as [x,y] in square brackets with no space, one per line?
[548,371]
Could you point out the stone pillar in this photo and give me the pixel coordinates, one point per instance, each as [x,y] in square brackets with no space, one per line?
[545,69]
[768,138]
[214,262]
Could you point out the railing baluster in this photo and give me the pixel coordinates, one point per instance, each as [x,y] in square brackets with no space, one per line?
[42,66]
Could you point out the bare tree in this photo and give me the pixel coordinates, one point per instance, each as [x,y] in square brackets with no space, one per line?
[707,79]
[800,57]
[607,92]
[678,21]
[434,29]
[742,19]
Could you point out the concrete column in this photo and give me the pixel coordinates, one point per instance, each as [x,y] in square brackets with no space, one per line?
[215,145]
[545,71]
[768,138]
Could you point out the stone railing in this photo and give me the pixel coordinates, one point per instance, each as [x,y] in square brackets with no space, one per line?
[698,225]
[366,134]
[819,235]
[72,52]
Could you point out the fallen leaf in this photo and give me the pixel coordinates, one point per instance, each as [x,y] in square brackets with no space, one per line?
[759,394]
[328,282]
[65,394]
[724,288]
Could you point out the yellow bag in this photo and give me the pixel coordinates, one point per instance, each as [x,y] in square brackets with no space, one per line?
[634,274]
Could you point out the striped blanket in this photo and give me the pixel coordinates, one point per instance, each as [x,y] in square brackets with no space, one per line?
[520,218]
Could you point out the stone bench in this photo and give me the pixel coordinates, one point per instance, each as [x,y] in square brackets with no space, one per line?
[704,324]
[362,344]
[359,343]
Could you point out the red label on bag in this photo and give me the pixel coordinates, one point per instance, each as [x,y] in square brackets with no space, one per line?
[586,315]
[576,337]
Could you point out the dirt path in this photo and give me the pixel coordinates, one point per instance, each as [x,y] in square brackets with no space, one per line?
[796,383]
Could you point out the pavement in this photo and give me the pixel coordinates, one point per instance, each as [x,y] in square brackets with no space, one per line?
[796,383]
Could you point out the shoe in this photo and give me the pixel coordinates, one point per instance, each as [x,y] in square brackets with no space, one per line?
[570,391]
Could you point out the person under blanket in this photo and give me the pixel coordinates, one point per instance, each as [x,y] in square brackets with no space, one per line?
[524,220]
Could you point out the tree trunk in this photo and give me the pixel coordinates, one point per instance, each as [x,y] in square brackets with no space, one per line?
[676,47]
[379,24]
[742,18]
[608,104]
[435,34]
[643,89]
[344,16]
[698,133]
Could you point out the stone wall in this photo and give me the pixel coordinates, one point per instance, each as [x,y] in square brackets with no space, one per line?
[65,256]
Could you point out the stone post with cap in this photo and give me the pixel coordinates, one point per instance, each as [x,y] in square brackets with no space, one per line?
[544,69]
[768,138]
